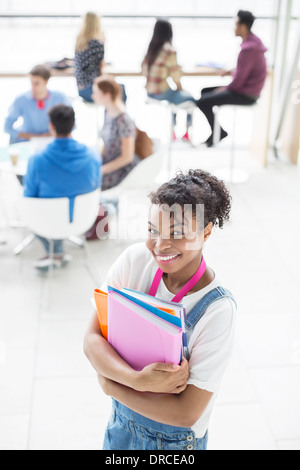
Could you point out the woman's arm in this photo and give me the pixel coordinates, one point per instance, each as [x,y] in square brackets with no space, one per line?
[158,377]
[176,410]
[30,135]
[126,157]
[15,111]
[102,66]
[174,69]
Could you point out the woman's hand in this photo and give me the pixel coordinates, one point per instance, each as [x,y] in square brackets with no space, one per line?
[179,86]
[163,378]
[156,378]
[224,73]
[29,135]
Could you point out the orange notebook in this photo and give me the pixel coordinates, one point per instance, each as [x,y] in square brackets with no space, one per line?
[101,300]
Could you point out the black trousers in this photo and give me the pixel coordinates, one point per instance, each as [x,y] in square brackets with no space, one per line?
[210,98]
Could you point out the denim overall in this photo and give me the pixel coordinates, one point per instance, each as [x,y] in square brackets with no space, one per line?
[128,430]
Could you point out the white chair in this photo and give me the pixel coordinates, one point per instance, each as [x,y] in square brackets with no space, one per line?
[141,176]
[50,218]
[229,174]
[188,106]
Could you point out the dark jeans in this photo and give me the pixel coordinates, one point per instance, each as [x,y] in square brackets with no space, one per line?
[86,94]
[57,247]
[210,98]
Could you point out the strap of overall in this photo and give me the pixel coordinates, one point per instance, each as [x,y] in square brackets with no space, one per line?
[185,289]
[200,308]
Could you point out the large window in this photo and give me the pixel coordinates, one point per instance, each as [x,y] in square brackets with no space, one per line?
[143,7]
[198,38]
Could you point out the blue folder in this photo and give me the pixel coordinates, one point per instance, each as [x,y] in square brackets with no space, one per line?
[156,311]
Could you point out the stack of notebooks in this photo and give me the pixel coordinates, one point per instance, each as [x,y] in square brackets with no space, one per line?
[141,328]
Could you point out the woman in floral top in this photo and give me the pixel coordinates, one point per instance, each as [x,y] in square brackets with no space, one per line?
[118,133]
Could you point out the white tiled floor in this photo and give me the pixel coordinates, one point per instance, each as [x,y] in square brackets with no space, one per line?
[49,395]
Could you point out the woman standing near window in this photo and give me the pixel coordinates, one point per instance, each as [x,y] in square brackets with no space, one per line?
[89,55]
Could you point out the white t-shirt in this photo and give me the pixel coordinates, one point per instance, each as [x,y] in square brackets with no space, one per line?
[210,343]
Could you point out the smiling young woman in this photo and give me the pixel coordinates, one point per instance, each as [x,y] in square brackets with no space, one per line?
[173,403]
[173,232]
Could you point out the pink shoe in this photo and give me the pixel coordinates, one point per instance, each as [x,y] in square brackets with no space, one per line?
[186,137]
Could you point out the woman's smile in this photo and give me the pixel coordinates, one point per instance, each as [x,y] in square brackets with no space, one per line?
[166,258]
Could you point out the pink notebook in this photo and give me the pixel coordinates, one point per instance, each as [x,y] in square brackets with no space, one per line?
[139,336]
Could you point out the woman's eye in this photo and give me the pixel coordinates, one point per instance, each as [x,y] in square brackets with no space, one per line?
[152,231]
[177,234]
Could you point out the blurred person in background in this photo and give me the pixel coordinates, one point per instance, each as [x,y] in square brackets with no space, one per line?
[33,107]
[159,64]
[248,77]
[89,55]
[118,136]
[118,133]
[65,168]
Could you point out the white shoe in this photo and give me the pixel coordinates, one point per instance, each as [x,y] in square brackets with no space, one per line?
[44,264]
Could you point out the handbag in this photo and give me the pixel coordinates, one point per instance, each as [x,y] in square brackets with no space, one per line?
[143,144]
[93,233]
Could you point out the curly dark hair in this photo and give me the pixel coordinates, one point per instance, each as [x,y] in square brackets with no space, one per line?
[197,187]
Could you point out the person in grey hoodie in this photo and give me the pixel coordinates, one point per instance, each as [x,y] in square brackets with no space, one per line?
[248,77]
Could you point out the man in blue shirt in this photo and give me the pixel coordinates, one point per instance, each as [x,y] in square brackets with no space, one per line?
[65,168]
[33,108]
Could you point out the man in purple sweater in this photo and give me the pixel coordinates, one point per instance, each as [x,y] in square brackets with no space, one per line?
[248,77]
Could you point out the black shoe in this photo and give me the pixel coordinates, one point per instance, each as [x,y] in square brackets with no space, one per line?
[210,142]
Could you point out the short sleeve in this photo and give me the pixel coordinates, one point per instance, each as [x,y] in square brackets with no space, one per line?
[119,272]
[15,111]
[132,269]
[212,346]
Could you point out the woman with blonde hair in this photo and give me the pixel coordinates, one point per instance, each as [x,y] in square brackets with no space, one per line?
[89,54]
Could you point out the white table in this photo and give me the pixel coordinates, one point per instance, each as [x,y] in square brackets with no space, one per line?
[24,150]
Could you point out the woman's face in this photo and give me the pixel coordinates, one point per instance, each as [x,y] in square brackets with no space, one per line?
[175,240]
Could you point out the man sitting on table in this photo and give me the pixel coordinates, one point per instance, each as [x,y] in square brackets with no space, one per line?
[248,77]
[33,107]
[65,168]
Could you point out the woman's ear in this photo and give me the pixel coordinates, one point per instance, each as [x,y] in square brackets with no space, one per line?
[207,231]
